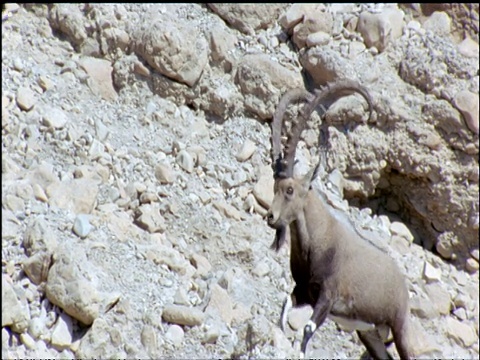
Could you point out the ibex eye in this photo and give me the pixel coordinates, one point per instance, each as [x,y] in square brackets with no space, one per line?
[290,190]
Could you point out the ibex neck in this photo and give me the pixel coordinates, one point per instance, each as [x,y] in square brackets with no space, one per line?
[314,218]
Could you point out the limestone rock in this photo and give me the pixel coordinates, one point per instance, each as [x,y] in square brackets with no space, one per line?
[220,303]
[62,332]
[467,103]
[245,17]
[182,315]
[14,311]
[26,99]
[176,50]
[175,334]
[37,266]
[77,195]
[247,150]
[69,288]
[82,226]
[164,174]
[430,273]
[439,22]
[381,29]
[100,81]
[39,237]
[263,189]
[55,118]
[460,332]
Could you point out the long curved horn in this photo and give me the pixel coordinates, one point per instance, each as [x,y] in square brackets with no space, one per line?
[340,88]
[278,160]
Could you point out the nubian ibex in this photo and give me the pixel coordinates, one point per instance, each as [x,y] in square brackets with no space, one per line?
[338,273]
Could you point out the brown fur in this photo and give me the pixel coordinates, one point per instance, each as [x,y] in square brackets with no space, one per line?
[329,260]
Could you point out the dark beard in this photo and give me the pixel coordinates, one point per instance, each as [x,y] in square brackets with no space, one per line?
[280,238]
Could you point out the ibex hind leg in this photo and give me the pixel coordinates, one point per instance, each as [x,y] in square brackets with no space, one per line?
[374,344]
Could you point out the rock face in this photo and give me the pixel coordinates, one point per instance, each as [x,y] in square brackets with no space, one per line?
[136,172]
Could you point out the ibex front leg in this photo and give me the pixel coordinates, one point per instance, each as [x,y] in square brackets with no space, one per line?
[320,312]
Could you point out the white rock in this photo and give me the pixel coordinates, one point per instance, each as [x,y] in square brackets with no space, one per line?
[55,118]
[430,273]
[185,160]
[247,150]
[183,315]
[175,334]
[439,22]
[82,226]
[460,332]
[26,98]
[62,332]
[398,228]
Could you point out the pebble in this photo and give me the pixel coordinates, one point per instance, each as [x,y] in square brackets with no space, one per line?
[185,160]
[62,332]
[82,226]
[430,273]
[247,150]
[400,229]
[467,103]
[26,99]
[460,332]
[471,265]
[175,334]
[183,315]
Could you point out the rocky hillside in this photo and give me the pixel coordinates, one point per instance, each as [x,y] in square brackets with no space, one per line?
[136,172]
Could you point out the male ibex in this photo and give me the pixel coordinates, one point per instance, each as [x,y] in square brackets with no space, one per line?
[338,273]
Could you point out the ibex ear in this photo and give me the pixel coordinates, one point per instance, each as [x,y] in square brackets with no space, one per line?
[309,177]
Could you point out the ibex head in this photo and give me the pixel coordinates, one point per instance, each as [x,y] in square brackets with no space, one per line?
[289,193]
[288,202]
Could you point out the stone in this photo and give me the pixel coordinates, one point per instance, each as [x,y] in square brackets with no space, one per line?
[468,48]
[176,50]
[247,150]
[430,273]
[220,303]
[26,99]
[69,288]
[37,266]
[164,174]
[183,315]
[62,333]
[28,341]
[14,311]
[76,195]
[261,269]
[423,308]
[439,22]
[228,210]
[211,335]
[101,338]
[100,77]
[247,18]
[148,337]
[400,229]
[263,189]
[149,218]
[462,333]
[378,30]
[460,313]
[314,20]
[54,118]
[467,103]
[475,254]
[440,297]
[297,318]
[185,160]
[471,265]
[82,226]
[201,264]
[39,237]
[318,38]
[172,258]
[175,334]
[45,83]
